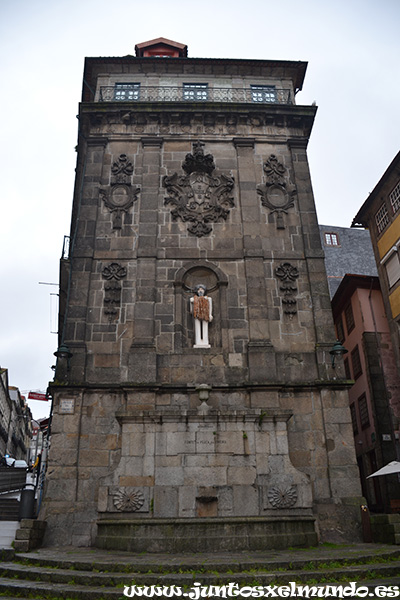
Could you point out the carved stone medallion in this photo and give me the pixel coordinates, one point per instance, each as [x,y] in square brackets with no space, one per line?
[198,197]
[277,193]
[282,498]
[128,500]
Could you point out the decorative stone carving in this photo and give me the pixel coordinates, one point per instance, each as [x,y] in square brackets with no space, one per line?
[201,308]
[285,498]
[199,197]
[121,195]
[277,193]
[113,273]
[118,200]
[121,170]
[288,274]
[128,500]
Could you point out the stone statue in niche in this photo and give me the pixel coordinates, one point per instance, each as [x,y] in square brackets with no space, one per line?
[201,309]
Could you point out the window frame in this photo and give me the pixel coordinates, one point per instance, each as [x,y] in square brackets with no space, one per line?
[346,364]
[392,273]
[356,362]
[363,411]
[263,91]
[340,329]
[353,414]
[331,239]
[349,318]
[394,198]
[128,86]
[382,218]
[196,89]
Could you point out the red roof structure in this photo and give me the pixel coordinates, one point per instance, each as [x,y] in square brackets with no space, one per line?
[161,47]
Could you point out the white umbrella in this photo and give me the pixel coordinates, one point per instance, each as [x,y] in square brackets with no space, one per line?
[392,467]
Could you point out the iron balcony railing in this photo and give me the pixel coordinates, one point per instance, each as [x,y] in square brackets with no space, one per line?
[180,94]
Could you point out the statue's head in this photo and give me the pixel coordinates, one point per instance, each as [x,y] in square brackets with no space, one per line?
[200,289]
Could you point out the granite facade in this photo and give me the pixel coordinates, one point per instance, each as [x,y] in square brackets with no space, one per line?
[258,424]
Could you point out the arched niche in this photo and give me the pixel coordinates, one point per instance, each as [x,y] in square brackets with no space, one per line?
[192,274]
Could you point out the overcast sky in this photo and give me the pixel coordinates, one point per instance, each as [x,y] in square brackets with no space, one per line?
[352,47]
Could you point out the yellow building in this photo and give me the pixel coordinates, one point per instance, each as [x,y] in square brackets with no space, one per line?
[380,213]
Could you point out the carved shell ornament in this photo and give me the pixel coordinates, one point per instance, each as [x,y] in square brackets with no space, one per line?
[198,197]
[277,193]
[128,501]
[279,498]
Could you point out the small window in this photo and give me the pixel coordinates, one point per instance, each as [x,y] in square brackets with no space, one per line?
[392,267]
[263,93]
[356,363]
[353,413]
[363,411]
[195,91]
[382,218]
[340,330]
[347,368]
[349,316]
[394,198]
[125,92]
[331,239]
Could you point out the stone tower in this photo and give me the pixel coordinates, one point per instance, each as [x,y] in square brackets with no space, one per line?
[195,406]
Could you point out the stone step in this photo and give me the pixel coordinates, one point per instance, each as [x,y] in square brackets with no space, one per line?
[85,559]
[262,577]
[9,509]
[10,598]
[77,573]
[39,590]
[7,533]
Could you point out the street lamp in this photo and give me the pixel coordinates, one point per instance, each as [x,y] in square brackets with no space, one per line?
[63,355]
[337,352]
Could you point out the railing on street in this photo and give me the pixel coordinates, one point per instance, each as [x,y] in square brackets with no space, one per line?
[12,479]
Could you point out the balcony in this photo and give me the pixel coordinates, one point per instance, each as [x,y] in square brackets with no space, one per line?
[181,94]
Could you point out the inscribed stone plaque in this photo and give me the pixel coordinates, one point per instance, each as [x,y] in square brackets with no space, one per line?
[67,406]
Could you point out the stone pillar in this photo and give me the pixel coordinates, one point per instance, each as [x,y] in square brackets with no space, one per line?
[314,258]
[142,360]
[261,356]
[76,328]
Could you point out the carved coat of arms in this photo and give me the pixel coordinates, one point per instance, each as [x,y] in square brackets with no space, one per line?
[199,197]
[120,195]
[277,193]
